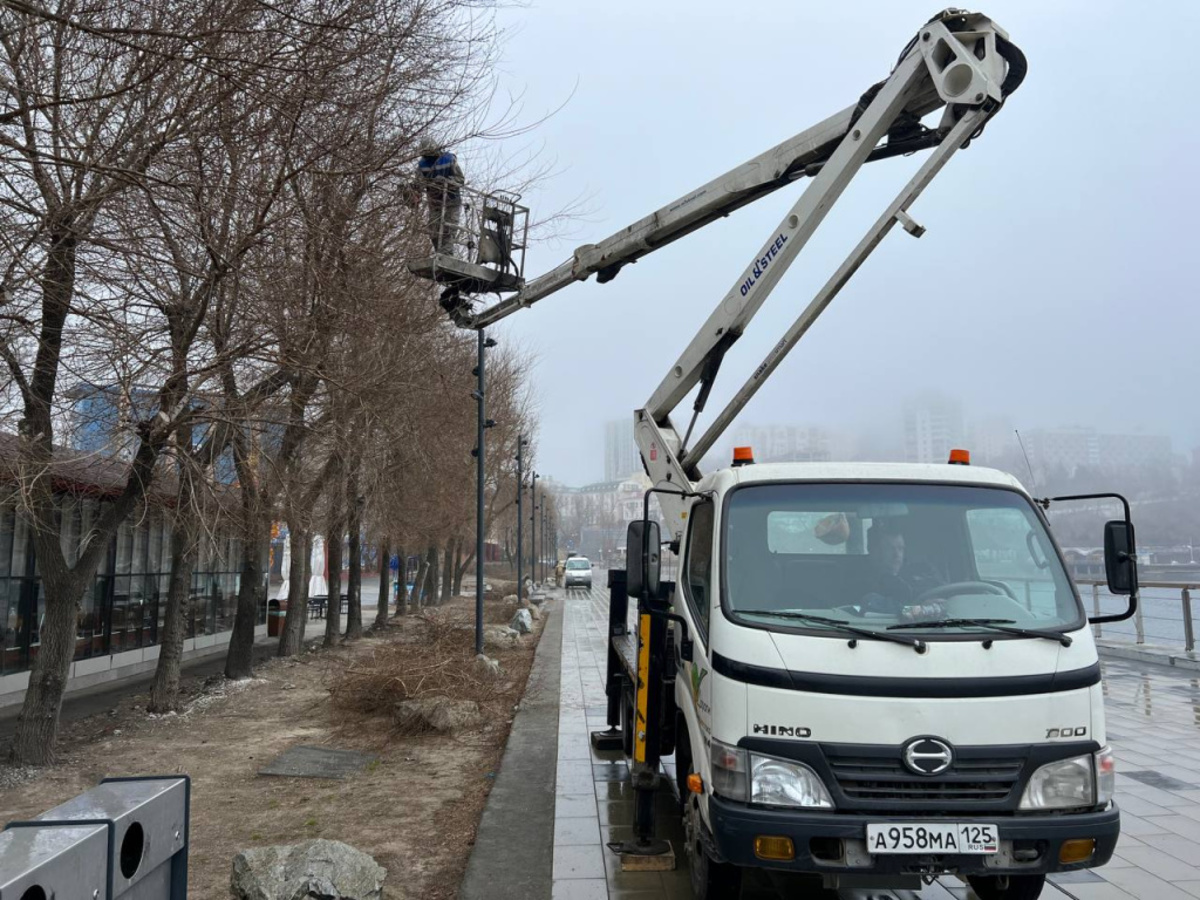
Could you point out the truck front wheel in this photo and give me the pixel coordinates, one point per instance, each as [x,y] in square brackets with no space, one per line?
[711,880]
[1007,887]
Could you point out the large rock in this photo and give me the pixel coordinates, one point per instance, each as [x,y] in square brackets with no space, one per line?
[437,714]
[311,870]
[486,668]
[500,637]
[522,622]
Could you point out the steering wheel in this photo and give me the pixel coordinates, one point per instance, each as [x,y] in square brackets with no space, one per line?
[961,587]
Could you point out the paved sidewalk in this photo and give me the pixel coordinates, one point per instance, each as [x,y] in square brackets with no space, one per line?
[1154,725]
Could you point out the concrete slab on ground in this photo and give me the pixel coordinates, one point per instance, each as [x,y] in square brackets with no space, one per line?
[317,762]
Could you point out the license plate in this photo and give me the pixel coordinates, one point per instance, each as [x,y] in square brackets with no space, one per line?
[944,837]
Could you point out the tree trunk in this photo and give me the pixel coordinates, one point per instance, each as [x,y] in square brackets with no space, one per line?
[333,609]
[299,574]
[459,567]
[414,601]
[354,626]
[401,580]
[448,569]
[431,576]
[251,594]
[385,583]
[164,691]
[37,723]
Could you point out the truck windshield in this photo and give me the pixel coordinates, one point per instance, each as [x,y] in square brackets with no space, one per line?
[879,555]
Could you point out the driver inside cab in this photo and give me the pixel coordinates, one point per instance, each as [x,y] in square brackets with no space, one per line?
[892,588]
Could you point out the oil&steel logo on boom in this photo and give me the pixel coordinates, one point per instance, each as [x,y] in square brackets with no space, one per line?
[761,264]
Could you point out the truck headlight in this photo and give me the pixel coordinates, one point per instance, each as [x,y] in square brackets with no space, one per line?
[1063,784]
[777,782]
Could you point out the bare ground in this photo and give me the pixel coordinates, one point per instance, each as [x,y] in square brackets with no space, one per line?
[415,810]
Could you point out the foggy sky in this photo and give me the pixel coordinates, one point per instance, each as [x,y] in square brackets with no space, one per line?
[1053,286]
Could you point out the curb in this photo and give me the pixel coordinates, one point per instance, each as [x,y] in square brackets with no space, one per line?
[511,858]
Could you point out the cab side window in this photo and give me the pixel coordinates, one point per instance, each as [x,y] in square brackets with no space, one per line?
[698,566]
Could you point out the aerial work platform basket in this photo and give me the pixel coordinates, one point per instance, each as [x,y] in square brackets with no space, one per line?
[478,240]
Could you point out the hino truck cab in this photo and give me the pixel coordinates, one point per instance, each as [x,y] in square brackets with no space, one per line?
[883,672]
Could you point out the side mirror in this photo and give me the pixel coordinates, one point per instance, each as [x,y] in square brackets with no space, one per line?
[1120,564]
[642,546]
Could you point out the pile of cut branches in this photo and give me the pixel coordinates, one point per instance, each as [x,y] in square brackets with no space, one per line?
[436,659]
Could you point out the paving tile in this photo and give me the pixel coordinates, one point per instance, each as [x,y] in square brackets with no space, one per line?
[1139,807]
[618,813]
[1183,849]
[615,771]
[580,889]
[574,784]
[1153,795]
[567,806]
[1192,887]
[1157,779]
[578,862]
[1162,864]
[576,831]
[1182,825]
[1079,876]
[1142,885]
[1138,827]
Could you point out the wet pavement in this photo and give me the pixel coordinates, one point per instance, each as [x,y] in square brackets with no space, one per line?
[1154,727]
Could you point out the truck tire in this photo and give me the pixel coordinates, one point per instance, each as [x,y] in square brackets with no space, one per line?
[711,880]
[1010,887]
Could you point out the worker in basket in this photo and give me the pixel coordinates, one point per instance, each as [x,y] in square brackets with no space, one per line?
[440,179]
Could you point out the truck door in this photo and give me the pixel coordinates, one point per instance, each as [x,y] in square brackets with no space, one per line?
[698,587]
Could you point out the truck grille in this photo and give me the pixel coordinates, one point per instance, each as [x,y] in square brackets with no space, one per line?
[969,781]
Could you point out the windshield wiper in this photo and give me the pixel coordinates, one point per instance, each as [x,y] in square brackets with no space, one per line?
[994,624]
[868,633]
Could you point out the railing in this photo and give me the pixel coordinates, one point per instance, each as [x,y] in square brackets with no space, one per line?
[1160,600]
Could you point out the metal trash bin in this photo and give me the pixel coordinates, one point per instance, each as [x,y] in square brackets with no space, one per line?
[125,838]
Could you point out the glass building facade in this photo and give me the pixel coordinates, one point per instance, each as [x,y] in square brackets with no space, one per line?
[127,604]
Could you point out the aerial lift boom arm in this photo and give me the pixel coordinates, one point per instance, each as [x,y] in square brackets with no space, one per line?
[958,60]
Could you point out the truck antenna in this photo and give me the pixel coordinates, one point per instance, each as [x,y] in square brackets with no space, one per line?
[1021,444]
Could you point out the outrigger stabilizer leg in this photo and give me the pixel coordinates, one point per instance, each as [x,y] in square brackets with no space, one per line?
[647,852]
[612,738]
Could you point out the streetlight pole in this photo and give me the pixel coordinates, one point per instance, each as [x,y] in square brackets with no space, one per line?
[545,497]
[532,525]
[520,520]
[483,423]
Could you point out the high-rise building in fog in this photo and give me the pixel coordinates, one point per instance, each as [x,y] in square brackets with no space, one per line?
[621,457]
[933,426]
[1071,448]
